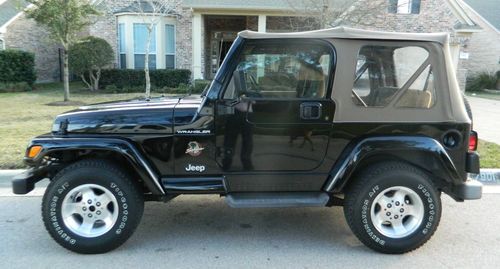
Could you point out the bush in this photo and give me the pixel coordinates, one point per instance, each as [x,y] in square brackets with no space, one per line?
[200,85]
[482,81]
[88,57]
[17,66]
[125,78]
[15,87]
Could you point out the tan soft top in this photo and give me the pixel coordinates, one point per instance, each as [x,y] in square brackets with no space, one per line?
[351,33]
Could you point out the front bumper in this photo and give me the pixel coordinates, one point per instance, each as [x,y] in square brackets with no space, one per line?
[468,190]
[25,182]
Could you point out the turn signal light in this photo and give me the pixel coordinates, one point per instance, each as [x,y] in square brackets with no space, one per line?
[473,141]
[34,151]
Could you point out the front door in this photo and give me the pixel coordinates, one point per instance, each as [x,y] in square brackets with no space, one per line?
[275,115]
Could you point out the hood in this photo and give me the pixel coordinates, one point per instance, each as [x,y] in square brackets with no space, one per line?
[129,116]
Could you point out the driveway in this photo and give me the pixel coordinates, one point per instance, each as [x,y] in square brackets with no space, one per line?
[486,115]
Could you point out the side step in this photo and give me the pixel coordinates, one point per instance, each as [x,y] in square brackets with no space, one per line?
[277,199]
[193,185]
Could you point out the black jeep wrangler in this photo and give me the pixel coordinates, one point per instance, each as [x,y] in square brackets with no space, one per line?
[371,121]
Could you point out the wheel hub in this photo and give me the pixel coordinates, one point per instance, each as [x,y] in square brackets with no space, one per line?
[89,210]
[397,212]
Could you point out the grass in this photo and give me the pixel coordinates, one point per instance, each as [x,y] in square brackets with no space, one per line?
[25,115]
[490,154]
[485,95]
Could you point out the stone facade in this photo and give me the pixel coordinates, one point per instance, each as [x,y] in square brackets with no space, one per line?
[24,34]
[483,48]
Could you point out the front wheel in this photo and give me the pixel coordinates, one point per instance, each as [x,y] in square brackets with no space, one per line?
[392,207]
[92,206]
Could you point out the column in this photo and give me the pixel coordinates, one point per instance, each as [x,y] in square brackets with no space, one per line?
[197,45]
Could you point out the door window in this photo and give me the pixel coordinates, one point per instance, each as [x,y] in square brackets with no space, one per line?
[281,71]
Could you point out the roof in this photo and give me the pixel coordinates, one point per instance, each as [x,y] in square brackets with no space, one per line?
[488,9]
[351,33]
[274,5]
[146,7]
[8,10]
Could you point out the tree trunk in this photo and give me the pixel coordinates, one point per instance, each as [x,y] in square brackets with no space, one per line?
[146,63]
[66,75]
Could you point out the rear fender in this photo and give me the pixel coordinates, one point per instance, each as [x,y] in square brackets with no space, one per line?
[417,150]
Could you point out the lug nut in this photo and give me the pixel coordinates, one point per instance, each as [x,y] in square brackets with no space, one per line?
[388,214]
[98,204]
[90,215]
[401,210]
[98,212]
[397,203]
[389,205]
[396,216]
[84,208]
[89,201]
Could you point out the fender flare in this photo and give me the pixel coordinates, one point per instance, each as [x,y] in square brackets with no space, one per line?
[123,147]
[355,153]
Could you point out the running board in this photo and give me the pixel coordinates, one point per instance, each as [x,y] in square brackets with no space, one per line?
[277,199]
[194,185]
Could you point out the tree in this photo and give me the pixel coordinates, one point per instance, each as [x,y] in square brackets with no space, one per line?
[320,14]
[151,13]
[88,57]
[64,19]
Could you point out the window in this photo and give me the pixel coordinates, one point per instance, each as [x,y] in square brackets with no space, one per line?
[169,46]
[404,6]
[285,71]
[140,41]
[121,46]
[385,73]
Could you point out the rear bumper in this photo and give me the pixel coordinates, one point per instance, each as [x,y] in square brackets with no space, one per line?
[468,190]
[25,182]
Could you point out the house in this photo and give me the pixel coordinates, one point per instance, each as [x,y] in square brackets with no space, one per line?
[196,34]
[484,47]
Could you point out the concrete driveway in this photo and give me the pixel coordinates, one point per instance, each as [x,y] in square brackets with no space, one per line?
[486,115]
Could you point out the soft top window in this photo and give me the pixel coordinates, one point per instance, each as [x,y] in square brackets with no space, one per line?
[387,73]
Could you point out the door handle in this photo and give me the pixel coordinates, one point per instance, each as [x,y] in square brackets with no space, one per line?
[310,110]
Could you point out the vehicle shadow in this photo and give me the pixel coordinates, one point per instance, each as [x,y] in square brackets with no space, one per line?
[207,222]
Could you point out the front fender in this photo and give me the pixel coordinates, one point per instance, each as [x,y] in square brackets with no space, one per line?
[123,147]
[406,147]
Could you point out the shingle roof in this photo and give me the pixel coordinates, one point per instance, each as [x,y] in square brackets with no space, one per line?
[488,9]
[8,10]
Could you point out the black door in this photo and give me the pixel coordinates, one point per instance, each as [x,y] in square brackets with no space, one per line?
[276,114]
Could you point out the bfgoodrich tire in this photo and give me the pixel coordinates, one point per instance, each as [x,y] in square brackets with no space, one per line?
[92,206]
[392,207]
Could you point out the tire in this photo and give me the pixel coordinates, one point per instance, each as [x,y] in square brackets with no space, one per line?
[74,215]
[375,222]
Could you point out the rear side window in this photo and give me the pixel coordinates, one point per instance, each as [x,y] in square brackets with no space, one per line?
[388,73]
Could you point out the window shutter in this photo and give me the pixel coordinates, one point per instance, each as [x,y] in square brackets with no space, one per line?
[415,6]
[393,6]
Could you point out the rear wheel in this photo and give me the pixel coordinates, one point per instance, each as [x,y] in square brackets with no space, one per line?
[92,206]
[392,207]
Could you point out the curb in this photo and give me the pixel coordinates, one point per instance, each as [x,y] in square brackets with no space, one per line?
[488,176]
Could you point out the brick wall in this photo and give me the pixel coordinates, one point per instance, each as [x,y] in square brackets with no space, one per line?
[24,34]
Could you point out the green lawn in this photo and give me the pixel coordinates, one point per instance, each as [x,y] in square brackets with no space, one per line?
[484,95]
[25,115]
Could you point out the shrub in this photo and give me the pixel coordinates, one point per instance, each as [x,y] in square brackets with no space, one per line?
[88,57]
[17,66]
[123,78]
[15,87]
[200,85]
[482,81]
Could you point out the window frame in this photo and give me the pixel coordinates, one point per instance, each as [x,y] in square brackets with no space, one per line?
[414,7]
[236,58]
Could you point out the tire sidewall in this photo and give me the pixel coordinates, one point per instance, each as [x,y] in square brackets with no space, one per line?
[57,192]
[430,199]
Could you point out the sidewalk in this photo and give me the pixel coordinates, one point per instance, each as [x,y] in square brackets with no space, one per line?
[486,115]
